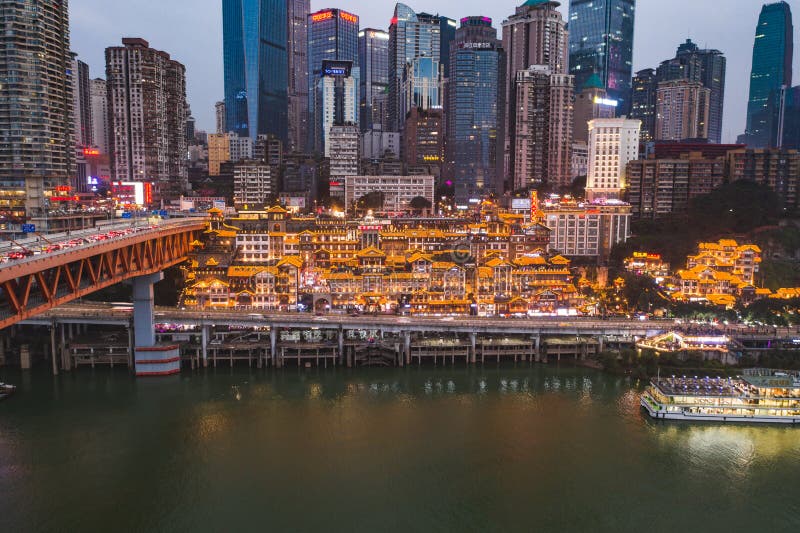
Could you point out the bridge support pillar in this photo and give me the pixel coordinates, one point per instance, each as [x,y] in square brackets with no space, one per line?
[341,345]
[537,350]
[473,348]
[204,345]
[407,346]
[273,345]
[602,346]
[151,359]
[54,348]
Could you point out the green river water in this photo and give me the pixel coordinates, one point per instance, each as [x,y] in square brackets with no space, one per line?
[417,449]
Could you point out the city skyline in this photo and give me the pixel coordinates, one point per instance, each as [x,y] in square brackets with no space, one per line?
[93,29]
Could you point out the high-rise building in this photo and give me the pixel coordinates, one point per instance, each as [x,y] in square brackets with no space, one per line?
[219,151]
[477,66]
[373,60]
[147,117]
[663,187]
[337,101]
[256,67]
[777,169]
[536,34]
[643,102]
[253,184]
[682,110]
[771,70]
[99,101]
[423,141]
[36,137]
[240,147]
[332,36]
[411,36]
[591,103]
[344,156]
[447,34]
[706,67]
[422,85]
[613,143]
[219,112]
[297,53]
[791,119]
[376,143]
[601,42]
[542,151]
[82,104]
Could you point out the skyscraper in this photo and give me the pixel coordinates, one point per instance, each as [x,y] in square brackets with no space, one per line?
[772,70]
[337,101]
[613,143]
[332,36]
[411,36]
[476,67]
[99,102]
[592,102]
[147,117]
[297,54]
[706,67]
[601,42]
[373,59]
[682,110]
[542,149]
[535,35]
[643,102]
[36,137]
[219,112]
[256,67]
[82,104]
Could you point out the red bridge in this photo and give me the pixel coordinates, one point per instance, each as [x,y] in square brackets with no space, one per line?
[36,283]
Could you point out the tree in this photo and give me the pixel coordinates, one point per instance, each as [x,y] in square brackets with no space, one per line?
[420,203]
[371,200]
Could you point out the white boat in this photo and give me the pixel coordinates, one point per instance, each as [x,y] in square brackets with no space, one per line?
[757,396]
[6,390]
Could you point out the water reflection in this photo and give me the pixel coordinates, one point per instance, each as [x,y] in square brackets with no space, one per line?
[387,449]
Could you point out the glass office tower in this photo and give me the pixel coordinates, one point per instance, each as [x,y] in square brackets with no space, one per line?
[256,67]
[772,71]
[373,57]
[411,36]
[476,68]
[332,36]
[601,42]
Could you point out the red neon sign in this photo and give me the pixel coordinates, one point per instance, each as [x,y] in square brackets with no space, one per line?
[91,151]
[344,15]
[322,15]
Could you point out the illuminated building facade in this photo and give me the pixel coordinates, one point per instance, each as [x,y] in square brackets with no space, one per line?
[613,142]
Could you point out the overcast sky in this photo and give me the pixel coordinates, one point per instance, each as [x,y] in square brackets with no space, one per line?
[191,31]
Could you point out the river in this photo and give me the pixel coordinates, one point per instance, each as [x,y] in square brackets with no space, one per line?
[416,449]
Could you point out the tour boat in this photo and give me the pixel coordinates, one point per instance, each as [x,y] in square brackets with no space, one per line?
[758,395]
[6,390]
